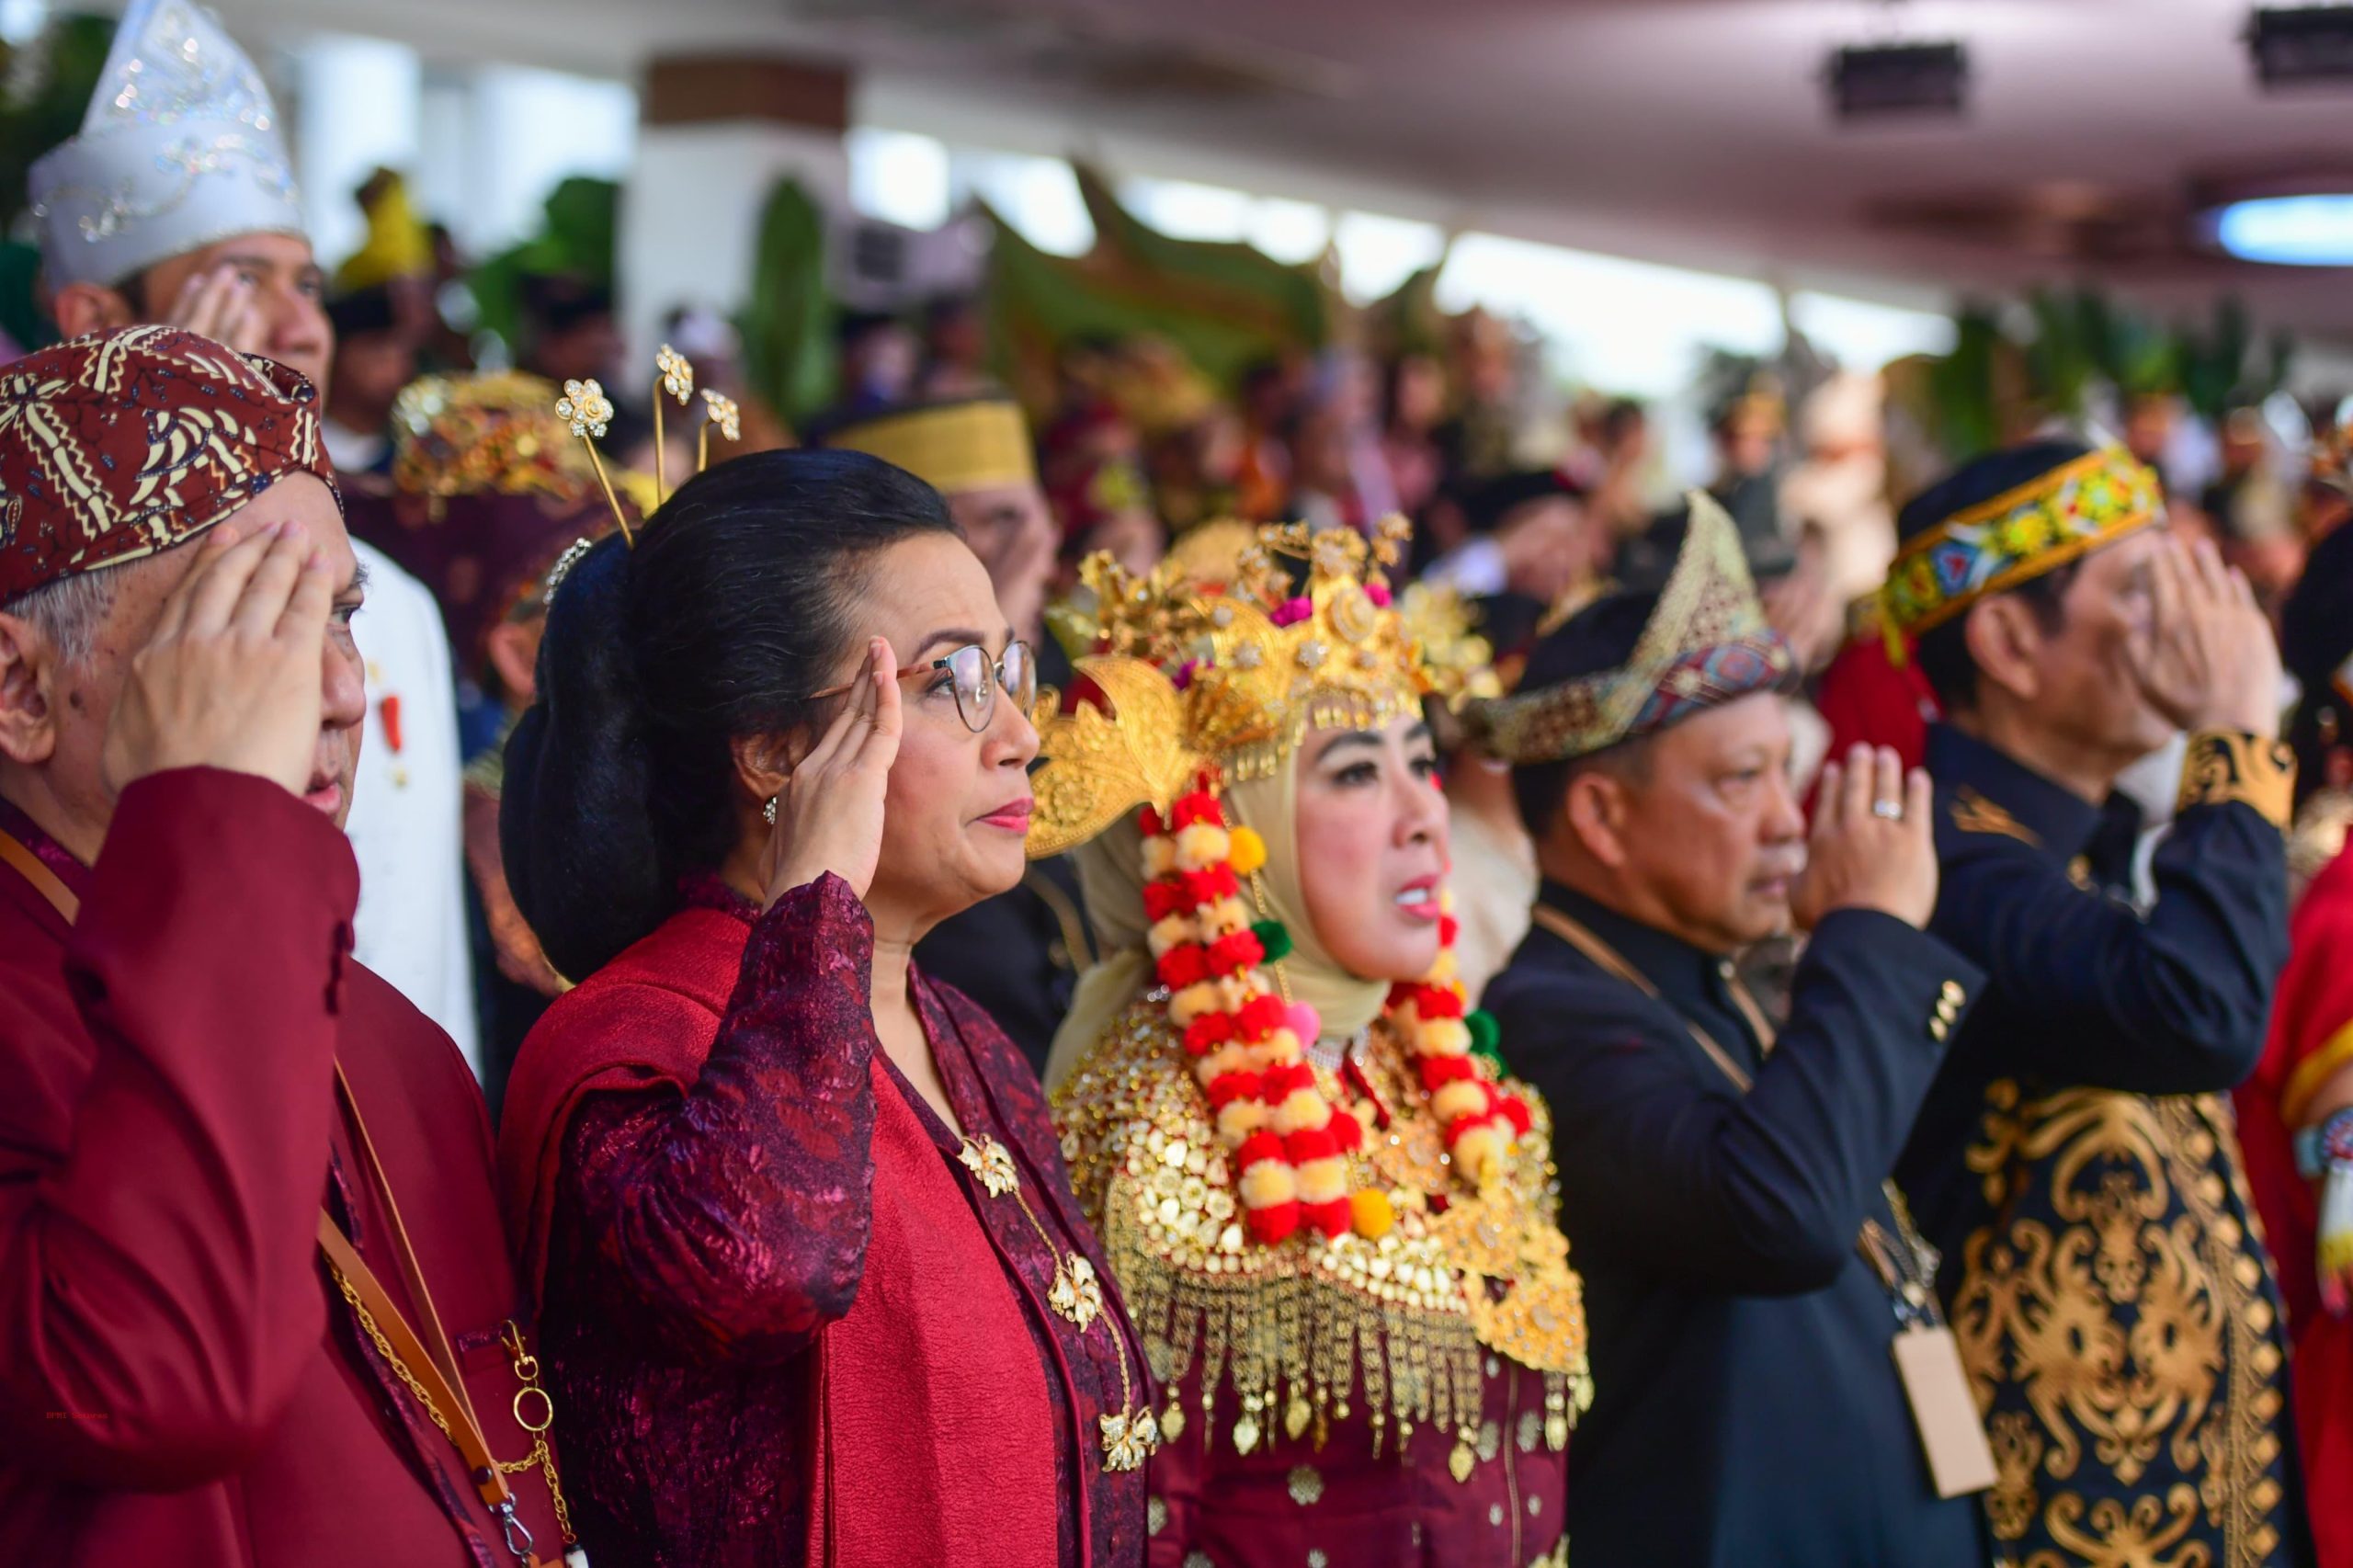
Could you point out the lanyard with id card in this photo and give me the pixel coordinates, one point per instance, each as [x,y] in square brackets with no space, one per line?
[1927,1358]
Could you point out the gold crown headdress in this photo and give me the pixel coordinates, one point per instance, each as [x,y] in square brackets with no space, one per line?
[1222,675]
[493,432]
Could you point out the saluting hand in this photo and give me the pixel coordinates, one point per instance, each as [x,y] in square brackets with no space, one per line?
[230,676]
[2208,660]
[1872,846]
[829,816]
[220,305]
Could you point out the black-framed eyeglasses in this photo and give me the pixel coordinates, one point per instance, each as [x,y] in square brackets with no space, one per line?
[975,678]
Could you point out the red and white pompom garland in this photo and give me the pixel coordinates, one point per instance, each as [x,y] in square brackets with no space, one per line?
[1431,1017]
[1249,1047]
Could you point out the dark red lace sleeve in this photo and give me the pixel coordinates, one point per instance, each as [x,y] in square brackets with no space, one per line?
[734,1217]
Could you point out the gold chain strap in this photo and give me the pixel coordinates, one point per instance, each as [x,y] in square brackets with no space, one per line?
[392,1358]
[526,1370]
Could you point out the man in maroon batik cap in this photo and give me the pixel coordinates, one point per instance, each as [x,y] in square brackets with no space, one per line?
[187,1375]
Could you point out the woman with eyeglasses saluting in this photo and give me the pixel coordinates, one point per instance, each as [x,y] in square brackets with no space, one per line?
[813,1283]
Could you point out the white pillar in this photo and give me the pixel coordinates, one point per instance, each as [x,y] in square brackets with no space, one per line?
[715,138]
[358,109]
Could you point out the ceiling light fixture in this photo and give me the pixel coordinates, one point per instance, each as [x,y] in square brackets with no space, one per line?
[2314,229]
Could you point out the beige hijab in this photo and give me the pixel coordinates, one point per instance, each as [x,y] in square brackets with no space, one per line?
[1110,875]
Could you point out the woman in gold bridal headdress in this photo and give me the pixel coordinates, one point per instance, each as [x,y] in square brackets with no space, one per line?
[1326,1205]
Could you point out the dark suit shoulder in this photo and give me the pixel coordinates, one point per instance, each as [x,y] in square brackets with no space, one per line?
[1551,999]
[1969,824]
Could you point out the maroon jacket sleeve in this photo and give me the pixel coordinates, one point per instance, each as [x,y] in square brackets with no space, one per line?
[731,1219]
[159,1294]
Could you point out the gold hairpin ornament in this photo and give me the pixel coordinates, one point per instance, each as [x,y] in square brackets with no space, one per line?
[585,408]
[719,410]
[677,378]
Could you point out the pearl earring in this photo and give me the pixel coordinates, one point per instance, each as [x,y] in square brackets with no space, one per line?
[769,811]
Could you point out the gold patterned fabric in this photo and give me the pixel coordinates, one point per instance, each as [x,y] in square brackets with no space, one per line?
[492,433]
[2121,1335]
[2225,766]
[1995,545]
[977,444]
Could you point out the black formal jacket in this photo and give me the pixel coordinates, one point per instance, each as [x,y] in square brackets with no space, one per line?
[2079,1165]
[1746,1406]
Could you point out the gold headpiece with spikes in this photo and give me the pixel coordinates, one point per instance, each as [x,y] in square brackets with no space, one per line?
[1462,662]
[1225,674]
[586,409]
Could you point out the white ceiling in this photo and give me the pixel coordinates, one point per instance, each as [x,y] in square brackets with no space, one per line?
[1683,130]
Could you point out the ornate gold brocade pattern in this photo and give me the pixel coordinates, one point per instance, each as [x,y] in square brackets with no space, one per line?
[2223,765]
[2119,1334]
[1300,1330]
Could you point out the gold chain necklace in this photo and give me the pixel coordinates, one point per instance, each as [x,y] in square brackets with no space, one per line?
[1132,1435]
[527,1371]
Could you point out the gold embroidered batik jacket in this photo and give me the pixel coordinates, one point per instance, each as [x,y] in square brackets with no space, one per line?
[2105,1270]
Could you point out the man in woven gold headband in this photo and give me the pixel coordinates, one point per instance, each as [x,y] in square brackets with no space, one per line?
[1018,954]
[2075,1163]
[977,453]
[1722,1182]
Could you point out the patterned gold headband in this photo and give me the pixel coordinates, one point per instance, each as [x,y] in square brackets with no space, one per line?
[1996,544]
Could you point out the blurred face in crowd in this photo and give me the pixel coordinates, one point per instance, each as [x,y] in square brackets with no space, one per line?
[284,285]
[1548,547]
[584,350]
[54,711]
[1010,530]
[1694,831]
[1214,446]
[1417,393]
[2148,428]
[2072,676]
[880,363]
[370,369]
[1132,536]
[959,336]
[1319,456]
[1748,439]
[1371,827]
[1625,435]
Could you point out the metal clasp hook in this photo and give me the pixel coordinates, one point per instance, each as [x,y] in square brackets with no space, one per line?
[511,1524]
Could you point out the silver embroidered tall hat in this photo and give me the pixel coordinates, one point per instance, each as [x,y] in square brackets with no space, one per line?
[180,149]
